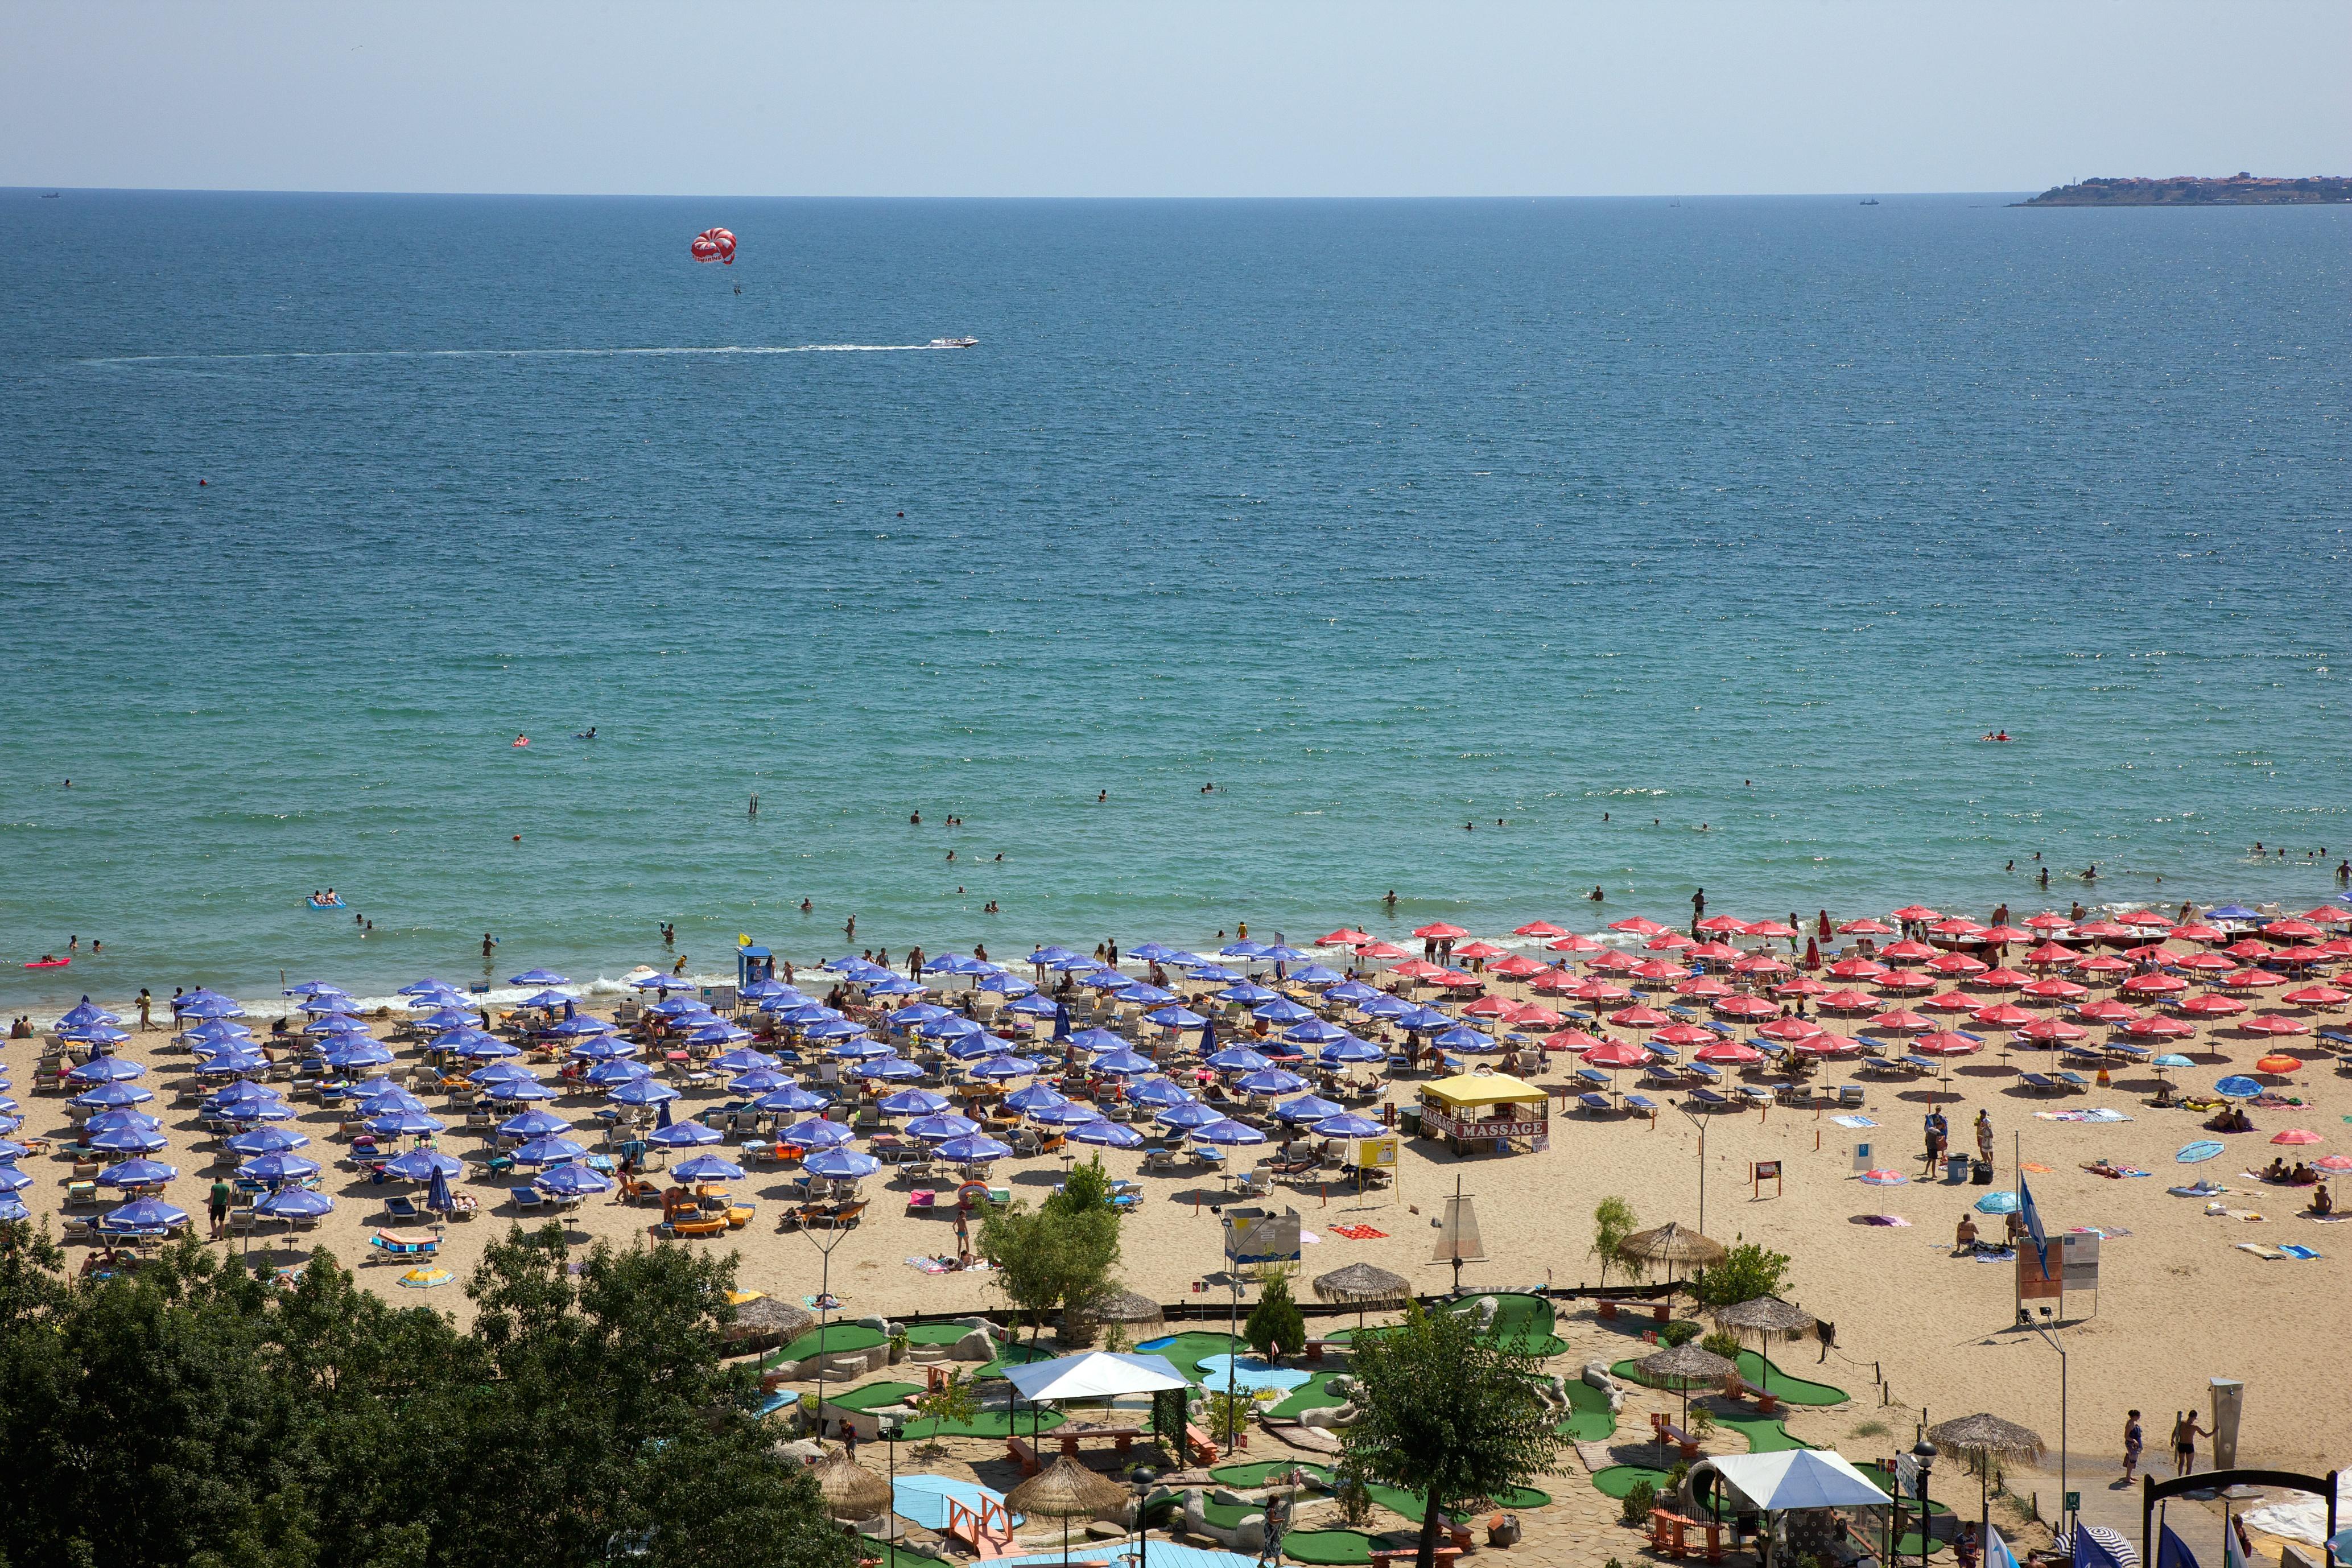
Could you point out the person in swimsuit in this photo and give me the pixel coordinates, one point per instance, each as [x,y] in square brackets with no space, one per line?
[2133,1439]
[2185,1433]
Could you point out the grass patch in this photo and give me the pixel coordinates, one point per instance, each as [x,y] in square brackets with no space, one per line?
[1764,1437]
[1788,1390]
[1589,1420]
[898,1557]
[1327,1546]
[936,1334]
[1617,1481]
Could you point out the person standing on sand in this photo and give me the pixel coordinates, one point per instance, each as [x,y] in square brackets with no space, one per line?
[2185,1433]
[2133,1441]
[146,1006]
[1939,1133]
[1984,1136]
[216,1207]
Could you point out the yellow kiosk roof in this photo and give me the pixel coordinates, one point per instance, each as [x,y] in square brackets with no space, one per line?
[1482,1089]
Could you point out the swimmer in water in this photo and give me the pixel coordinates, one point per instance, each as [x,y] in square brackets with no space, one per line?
[587,734]
[523,740]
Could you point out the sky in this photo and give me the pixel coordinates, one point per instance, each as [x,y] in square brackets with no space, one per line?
[1165,98]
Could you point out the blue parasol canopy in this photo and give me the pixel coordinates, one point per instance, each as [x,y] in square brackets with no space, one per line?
[295,1202]
[708,1168]
[840,1165]
[1108,1134]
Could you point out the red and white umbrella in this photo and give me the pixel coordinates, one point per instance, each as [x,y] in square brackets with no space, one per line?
[1746,1007]
[1727,1053]
[1438,930]
[2274,1024]
[1865,928]
[1902,1020]
[1789,1029]
[1540,929]
[2002,1016]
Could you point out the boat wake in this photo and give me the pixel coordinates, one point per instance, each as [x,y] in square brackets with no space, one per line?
[717,348]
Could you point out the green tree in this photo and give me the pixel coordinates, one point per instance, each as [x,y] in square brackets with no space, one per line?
[951,1404]
[1748,1270]
[1446,1415]
[1051,1258]
[1612,1222]
[1086,1190]
[1275,1327]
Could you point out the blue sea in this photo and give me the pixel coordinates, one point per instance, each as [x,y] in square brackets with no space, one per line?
[1485,552]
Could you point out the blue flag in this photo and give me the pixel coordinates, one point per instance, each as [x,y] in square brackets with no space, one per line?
[2033,1228]
[2171,1552]
[1996,1553]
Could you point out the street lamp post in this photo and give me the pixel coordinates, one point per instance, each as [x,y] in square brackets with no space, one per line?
[2050,1337]
[1145,1478]
[1699,1123]
[1924,1453]
[891,1432]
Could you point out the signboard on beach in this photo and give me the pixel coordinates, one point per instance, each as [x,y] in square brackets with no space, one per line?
[2079,1266]
[2035,1283]
[1377,1153]
[1254,1235]
[1861,1157]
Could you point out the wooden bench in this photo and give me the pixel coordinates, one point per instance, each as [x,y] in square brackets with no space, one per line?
[1203,1446]
[1737,1387]
[1669,1534]
[1315,1350]
[1662,1431]
[1017,1449]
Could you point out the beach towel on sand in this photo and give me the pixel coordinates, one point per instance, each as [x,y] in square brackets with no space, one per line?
[2267,1253]
[1359,1233]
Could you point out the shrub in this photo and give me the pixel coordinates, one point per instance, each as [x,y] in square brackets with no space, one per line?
[1635,1510]
[1748,1270]
[1681,1331]
[1723,1343]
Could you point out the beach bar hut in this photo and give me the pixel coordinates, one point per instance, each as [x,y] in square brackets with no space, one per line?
[1485,1111]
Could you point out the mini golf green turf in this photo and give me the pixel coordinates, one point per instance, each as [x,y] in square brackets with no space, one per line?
[1619,1480]
[1012,1355]
[872,1396]
[898,1557]
[833,1339]
[1786,1389]
[1764,1437]
[937,1333]
[1254,1473]
[1522,1322]
[1313,1393]
[1589,1420]
[987,1424]
[1327,1546]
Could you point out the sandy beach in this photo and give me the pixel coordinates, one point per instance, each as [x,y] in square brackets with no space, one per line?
[1918,1330]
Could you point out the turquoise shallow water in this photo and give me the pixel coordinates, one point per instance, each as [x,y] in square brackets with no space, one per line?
[1383,516]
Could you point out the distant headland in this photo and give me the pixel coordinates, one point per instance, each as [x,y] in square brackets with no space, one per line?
[2238,190]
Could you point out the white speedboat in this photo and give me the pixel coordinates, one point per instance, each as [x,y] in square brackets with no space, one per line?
[955,342]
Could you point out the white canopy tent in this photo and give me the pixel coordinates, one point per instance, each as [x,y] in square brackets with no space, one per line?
[1795,1477]
[1093,1374]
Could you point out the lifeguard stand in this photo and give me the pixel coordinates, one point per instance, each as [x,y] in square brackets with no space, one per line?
[754,963]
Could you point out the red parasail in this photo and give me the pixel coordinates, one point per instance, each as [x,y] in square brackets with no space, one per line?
[714,244]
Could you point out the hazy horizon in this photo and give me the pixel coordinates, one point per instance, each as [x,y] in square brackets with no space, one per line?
[1212,98]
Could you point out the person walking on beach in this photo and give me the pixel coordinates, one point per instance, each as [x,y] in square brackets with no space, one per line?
[216,1207]
[1939,1133]
[2185,1433]
[1984,1136]
[146,1007]
[2133,1439]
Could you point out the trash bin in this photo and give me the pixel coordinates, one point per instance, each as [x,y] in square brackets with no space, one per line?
[1409,1120]
[1980,1172]
[1956,1169]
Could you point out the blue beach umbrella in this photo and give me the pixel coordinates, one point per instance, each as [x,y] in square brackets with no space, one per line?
[972,1148]
[1997,1202]
[684,1135]
[1124,1064]
[546,1001]
[266,1141]
[500,1072]
[756,1081]
[949,1026]
[1351,1049]
[615,1073]
[357,1054]
[1107,1134]
[789,1101]
[232,1063]
[423,1165]
[147,1215]
[916,1102]
[1192,1115]
[917,1013]
[137,1171]
[1069,1113]
[939,1126]
[1061,1022]
[108,1096]
[404,1124]
[1098,1040]
[818,1134]
[1212,974]
[549,1150]
[743,1058]
[855,1046]
[1315,1032]
[1385,1007]
[1282,1010]
[2238,1087]
[437,1192]
[580,1027]
[1245,950]
[1346,1125]
[274,1169]
[1154,1091]
[127,1141]
[215,1032]
[471,1042]
[1142,993]
[520,1090]
[13,1208]
[1034,1097]
[840,1165]
[106,1070]
[1317,974]
[10,1152]
[642,1092]
[1307,1108]
[708,1168]
[94,1034]
[974,1047]
[573,1182]
[421,987]
[891,1069]
[380,1101]
[999,1067]
[1249,994]
[1421,1020]
[1270,1080]
[1462,1037]
[536,977]
[1227,1132]
[533,1123]
[602,1048]
[83,1014]
[204,1005]
[295,1202]
[1235,1059]
[1035,1006]
[1004,983]
[1350,991]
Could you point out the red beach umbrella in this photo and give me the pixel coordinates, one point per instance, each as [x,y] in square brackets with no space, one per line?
[1614,1054]
[1907,950]
[2155,1026]
[2316,996]
[2002,1016]
[1639,925]
[2273,1024]
[1848,1002]
[2001,980]
[2054,1031]
[2056,989]
[1825,1045]
[2297,1135]
[1541,929]
[1346,936]
[1727,1053]
[1950,1002]
[2108,1010]
[1746,1007]
[1572,1040]
[1789,1029]
[1865,928]
[1768,928]
[2049,920]
[1639,1016]
[1761,963]
[2050,952]
[2210,1005]
[1947,1043]
[1906,980]
[1904,1021]
[1384,950]
[1571,943]
[1687,1035]
[1702,987]
[1919,912]
[1518,966]
[1803,985]
[2155,984]
[1724,925]
[1668,941]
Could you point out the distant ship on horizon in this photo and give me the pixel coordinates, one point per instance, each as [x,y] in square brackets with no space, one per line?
[1870,201]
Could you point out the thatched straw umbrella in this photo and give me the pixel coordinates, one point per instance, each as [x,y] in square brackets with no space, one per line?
[1986,1438]
[1670,1243]
[764,1322]
[1065,1490]
[851,1490]
[1767,1315]
[1684,1366]
[1137,1312]
[1364,1286]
